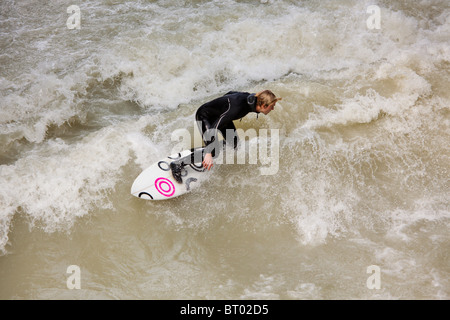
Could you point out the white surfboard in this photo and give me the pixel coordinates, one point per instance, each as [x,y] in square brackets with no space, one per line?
[157,183]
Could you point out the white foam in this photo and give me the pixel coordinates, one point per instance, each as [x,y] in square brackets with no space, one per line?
[264,287]
[181,54]
[305,291]
[55,184]
[48,100]
[427,209]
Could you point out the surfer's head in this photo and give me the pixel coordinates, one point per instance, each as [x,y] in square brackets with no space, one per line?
[265,101]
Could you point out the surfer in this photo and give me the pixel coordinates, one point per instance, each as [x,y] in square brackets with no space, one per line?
[218,115]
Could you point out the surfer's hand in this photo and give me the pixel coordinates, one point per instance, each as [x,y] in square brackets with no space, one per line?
[208,161]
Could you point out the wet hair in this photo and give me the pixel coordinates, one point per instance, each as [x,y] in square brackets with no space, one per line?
[266,98]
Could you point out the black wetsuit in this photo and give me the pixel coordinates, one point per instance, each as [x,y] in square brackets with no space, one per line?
[217,116]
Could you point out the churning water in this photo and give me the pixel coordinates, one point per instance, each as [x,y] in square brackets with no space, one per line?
[364,132]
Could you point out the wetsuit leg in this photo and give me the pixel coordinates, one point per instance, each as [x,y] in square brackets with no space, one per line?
[209,134]
[198,154]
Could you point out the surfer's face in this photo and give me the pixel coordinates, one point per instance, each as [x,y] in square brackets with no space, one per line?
[266,109]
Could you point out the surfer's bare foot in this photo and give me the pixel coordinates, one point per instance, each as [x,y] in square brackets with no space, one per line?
[176,171]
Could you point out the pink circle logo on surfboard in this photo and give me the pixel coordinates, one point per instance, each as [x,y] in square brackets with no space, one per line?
[165,187]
